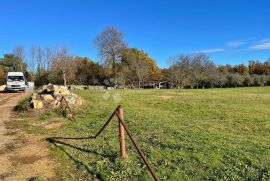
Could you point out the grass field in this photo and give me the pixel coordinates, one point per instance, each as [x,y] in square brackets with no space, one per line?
[214,134]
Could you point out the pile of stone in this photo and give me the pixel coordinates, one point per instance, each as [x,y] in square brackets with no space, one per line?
[54,97]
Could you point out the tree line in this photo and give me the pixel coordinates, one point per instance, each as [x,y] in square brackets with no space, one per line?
[122,66]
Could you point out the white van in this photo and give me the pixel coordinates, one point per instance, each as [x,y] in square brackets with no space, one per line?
[15,81]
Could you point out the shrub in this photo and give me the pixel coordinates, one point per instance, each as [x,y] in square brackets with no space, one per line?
[23,105]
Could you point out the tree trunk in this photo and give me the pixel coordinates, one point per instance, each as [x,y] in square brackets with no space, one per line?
[181,87]
[64,77]
[114,72]
[139,84]
[21,67]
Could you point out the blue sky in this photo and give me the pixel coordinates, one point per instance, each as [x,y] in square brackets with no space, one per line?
[230,31]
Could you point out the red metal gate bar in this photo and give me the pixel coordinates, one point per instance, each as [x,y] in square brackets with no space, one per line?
[110,118]
[138,148]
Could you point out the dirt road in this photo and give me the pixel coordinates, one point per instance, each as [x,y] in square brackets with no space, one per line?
[22,156]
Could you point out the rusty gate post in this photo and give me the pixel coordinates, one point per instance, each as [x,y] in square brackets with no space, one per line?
[122,133]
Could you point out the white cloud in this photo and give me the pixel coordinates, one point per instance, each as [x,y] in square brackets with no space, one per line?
[235,44]
[265,40]
[264,45]
[213,50]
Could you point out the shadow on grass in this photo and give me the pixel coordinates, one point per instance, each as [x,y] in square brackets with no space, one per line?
[59,144]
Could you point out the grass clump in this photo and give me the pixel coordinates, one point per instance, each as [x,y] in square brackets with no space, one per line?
[23,105]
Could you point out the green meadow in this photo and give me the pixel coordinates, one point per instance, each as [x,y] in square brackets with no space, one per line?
[211,134]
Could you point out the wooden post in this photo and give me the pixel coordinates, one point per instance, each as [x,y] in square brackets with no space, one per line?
[122,133]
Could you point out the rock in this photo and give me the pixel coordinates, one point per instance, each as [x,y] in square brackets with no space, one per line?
[71,99]
[49,88]
[55,104]
[48,98]
[61,90]
[37,104]
[56,89]
[110,88]
[78,102]
[34,96]
[58,97]
[2,88]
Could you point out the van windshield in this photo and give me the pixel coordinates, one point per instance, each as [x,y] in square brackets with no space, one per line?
[15,78]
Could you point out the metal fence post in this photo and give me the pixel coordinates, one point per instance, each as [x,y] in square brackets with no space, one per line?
[122,133]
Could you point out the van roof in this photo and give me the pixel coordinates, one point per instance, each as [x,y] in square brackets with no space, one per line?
[15,74]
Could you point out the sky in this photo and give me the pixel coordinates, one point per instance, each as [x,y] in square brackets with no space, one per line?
[229,31]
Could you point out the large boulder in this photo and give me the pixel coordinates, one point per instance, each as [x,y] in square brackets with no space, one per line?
[71,99]
[48,98]
[61,90]
[55,104]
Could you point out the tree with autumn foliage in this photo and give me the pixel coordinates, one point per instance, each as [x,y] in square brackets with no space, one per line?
[141,66]
[89,72]
[240,69]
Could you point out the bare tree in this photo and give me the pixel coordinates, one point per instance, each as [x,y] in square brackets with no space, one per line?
[201,67]
[62,62]
[33,61]
[180,69]
[40,56]
[33,55]
[50,54]
[19,52]
[110,43]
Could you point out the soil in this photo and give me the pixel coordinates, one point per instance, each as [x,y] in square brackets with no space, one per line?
[22,156]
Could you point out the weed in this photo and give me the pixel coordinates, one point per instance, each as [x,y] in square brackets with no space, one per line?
[23,105]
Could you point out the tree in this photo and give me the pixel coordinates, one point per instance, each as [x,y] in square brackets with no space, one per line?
[110,43]
[201,67]
[32,61]
[240,69]
[180,69]
[40,57]
[88,72]
[267,67]
[221,80]
[225,69]
[11,63]
[50,54]
[138,63]
[63,64]
[2,76]
[141,66]
[255,67]
[19,53]
[247,81]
